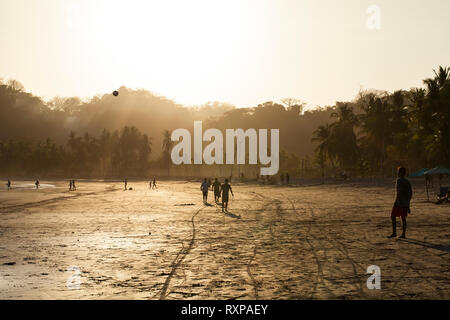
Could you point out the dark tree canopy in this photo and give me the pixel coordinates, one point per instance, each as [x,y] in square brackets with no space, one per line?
[127,134]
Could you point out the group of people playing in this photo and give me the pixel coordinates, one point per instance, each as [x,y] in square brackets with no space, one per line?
[151,184]
[220,191]
[9,184]
[400,209]
[72,186]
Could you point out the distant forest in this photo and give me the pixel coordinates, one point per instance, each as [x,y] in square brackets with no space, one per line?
[129,135]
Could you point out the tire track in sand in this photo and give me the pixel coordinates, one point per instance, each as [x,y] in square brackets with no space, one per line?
[14,208]
[255,283]
[308,234]
[179,259]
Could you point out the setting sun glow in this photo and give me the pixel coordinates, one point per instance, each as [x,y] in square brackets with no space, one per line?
[242,52]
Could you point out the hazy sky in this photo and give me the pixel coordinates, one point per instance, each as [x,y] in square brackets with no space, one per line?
[242,52]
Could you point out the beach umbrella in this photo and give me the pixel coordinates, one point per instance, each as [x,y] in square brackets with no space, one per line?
[419,173]
[433,171]
[437,170]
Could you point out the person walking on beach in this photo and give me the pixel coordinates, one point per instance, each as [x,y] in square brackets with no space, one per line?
[8,184]
[126,183]
[204,188]
[70,185]
[216,187]
[402,202]
[37,184]
[226,188]
[73,185]
[154,183]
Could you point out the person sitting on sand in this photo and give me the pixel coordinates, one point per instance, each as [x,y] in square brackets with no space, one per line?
[226,188]
[204,188]
[402,202]
[216,187]
[37,184]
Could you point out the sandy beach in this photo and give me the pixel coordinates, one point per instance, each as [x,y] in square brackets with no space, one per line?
[296,242]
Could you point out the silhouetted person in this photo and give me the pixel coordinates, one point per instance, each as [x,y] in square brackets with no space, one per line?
[226,188]
[402,202]
[216,187]
[154,183]
[150,184]
[8,184]
[287,178]
[429,180]
[204,188]
[126,183]
[70,185]
[73,185]
[37,184]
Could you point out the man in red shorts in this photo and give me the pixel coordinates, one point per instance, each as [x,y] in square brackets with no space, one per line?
[402,202]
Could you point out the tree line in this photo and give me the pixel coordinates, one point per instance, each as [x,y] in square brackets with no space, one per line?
[364,137]
[111,154]
[381,130]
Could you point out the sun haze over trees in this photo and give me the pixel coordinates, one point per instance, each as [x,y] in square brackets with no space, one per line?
[109,136]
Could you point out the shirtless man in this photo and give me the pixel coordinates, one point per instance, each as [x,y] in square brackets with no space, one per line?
[226,188]
[402,202]
[204,188]
[216,187]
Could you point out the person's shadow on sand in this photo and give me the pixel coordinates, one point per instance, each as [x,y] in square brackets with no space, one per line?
[439,247]
[232,215]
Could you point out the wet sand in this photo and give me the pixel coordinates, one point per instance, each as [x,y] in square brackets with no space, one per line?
[305,242]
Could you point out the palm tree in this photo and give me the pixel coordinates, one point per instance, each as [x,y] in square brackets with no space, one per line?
[167,148]
[323,135]
[442,76]
[345,145]
[438,109]
[345,114]
[376,127]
